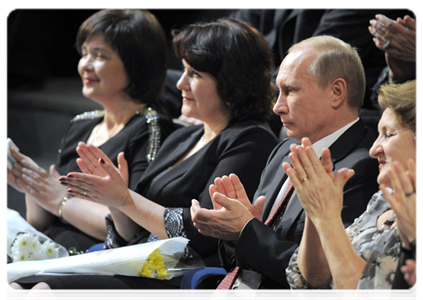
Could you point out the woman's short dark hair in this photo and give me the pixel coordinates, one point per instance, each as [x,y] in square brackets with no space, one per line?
[140,41]
[240,60]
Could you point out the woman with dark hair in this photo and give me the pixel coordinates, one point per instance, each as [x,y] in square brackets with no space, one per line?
[125,77]
[234,137]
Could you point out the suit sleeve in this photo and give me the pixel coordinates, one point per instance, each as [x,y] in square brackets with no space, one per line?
[264,250]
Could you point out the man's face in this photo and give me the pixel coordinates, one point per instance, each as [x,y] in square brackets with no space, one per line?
[303,105]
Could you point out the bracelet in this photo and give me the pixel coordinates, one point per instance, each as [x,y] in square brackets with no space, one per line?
[62,204]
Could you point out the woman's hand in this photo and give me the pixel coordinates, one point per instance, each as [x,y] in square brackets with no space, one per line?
[90,157]
[111,189]
[409,271]
[14,176]
[403,201]
[232,188]
[400,34]
[320,193]
[398,40]
[33,180]
[224,223]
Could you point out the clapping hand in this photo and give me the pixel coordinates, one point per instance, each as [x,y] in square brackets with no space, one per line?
[232,210]
[398,40]
[409,271]
[108,187]
[403,200]
[27,177]
[231,187]
[320,192]
[89,158]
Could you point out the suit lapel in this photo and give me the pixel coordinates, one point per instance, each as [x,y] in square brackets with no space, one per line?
[345,144]
[276,186]
[348,141]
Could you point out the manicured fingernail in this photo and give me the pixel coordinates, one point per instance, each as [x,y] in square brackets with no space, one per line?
[63,183]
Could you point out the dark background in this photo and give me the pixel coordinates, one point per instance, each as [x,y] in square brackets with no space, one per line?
[41,42]
[44,88]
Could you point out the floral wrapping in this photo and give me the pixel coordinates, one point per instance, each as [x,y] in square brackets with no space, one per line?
[381,250]
[157,260]
[25,243]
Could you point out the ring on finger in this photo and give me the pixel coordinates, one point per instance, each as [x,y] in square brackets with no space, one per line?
[304,180]
[84,192]
[387,45]
[409,194]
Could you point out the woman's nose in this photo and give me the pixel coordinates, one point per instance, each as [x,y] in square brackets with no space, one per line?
[376,149]
[85,63]
[183,83]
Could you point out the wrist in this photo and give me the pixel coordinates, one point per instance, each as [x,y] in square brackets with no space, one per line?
[326,224]
[62,206]
[246,223]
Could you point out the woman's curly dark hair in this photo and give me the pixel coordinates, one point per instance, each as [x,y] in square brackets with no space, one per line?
[240,60]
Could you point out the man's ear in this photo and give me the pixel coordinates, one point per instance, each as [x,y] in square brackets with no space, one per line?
[339,92]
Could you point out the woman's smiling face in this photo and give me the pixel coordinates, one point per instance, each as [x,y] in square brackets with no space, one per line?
[394,143]
[200,97]
[101,69]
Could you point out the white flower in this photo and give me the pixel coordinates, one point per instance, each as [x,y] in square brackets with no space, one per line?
[27,246]
[24,244]
[38,253]
[17,256]
[50,250]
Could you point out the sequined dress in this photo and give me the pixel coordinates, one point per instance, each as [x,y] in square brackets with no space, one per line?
[380,249]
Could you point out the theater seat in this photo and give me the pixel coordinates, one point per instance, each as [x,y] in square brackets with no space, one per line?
[96,247]
[203,278]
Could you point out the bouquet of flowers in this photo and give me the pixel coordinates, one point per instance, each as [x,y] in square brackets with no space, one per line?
[25,243]
[160,260]
[29,246]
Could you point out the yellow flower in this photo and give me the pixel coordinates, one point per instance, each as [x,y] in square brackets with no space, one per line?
[154,266]
[146,269]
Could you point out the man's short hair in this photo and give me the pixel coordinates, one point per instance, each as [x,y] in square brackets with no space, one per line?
[336,59]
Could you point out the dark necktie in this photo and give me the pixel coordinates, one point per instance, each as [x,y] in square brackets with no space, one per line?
[274,215]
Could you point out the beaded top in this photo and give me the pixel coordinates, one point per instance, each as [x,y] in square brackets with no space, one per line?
[152,119]
[88,115]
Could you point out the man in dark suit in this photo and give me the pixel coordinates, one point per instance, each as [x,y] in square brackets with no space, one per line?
[283,28]
[321,84]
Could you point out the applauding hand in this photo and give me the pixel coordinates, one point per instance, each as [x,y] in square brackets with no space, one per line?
[40,186]
[232,210]
[403,201]
[111,189]
[320,193]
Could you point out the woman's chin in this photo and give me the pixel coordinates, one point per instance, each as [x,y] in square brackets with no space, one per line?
[383,179]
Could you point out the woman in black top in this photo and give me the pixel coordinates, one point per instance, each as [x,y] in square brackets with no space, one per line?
[125,78]
[225,84]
